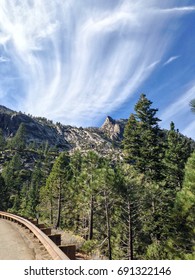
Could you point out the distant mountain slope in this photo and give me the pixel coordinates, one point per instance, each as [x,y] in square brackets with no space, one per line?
[104,139]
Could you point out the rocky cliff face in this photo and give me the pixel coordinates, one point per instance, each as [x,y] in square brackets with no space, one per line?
[36,130]
[114,129]
[103,140]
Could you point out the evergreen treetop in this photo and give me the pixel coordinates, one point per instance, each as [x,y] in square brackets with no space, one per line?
[143,143]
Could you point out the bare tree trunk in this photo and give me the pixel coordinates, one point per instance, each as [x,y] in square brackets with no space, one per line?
[153,206]
[91,218]
[51,208]
[108,227]
[85,226]
[77,222]
[130,233]
[59,208]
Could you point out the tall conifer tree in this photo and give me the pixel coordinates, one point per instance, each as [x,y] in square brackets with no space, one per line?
[178,150]
[4,196]
[143,145]
[57,187]
[2,140]
[182,243]
[19,140]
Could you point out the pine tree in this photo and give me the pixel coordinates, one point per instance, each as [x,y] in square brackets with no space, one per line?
[143,145]
[4,197]
[137,212]
[88,179]
[18,142]
[31,191]
[182,243]
[57,186]
[146,154]
[132,141]
[76,198]
[192,105]
[24,193]
[128,204]
[105,200]
[13,179]
[177,152]
[2,141]
[46,205]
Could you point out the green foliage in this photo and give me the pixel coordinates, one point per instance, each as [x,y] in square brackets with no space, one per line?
[143,143]
[30,192]
[184,214]
[178,150]
[155,251]
[162,162]
[192,105]
[145,113]
[14,175]
[2,140]
[128,185]
[11,173]
[132,141]
[89,246]
[57,187]
[18,142]
[4,197]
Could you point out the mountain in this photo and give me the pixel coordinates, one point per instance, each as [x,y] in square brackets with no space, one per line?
[5,110]
[104,139]
[114,129]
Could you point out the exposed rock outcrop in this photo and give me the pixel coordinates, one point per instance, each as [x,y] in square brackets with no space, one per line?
[103,140]
[114,129]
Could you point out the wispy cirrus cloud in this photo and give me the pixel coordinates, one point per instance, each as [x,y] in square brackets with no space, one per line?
[171,59]
[190,130]
[76,61]
[178,110]
[3,59]
[153,64]
[180,105]
[179,9]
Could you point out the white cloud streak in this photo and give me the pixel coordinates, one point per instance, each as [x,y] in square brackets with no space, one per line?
[171,59]
[190,130]
[179,10]
[179,106]
[79,60]
[3,59]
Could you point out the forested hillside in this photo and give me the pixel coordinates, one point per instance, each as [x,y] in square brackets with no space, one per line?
[134,200]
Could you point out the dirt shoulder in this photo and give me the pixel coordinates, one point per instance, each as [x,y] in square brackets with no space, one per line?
[18,243]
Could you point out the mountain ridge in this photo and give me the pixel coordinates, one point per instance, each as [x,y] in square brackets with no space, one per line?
[103,139]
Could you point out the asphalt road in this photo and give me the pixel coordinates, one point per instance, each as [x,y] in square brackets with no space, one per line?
[13,245]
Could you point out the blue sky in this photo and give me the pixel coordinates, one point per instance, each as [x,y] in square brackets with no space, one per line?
[77,61]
